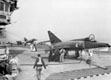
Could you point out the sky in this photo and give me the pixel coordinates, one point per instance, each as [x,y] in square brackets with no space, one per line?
[68,19]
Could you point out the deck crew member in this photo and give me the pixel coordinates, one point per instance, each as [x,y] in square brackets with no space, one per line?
[62,52]
[38,65]
[35,45]
[7,52]
[89,60]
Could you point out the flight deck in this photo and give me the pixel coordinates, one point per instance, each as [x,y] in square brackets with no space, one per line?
[68,70]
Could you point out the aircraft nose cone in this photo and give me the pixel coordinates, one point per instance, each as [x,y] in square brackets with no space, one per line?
[96,45]
[109,45]
[105,45]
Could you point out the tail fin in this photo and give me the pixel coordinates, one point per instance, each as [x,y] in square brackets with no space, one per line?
[25,39]
[53,38]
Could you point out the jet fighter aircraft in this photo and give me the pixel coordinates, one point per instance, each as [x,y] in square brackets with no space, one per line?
[29,41]
[76,44]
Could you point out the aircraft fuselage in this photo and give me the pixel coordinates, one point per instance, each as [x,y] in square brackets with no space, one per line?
[74,45]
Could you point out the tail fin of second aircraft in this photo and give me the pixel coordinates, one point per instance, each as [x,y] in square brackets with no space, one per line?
[53,38]
[25,39]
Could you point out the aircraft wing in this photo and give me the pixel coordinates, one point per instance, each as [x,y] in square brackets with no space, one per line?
[43,47]
[46,41]
[43,42]
[62,47]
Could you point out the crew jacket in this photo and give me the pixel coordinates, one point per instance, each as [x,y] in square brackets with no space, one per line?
[37,60]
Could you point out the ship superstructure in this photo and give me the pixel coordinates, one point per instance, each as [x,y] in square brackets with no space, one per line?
[7,7]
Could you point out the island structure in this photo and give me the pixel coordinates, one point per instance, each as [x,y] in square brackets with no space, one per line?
[7,7]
